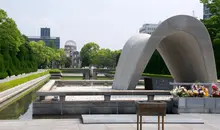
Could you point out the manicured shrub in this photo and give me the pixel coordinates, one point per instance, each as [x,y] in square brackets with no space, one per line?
[54,71]
[3,75]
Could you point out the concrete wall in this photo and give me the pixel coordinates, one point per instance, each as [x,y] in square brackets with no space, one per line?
[88,107]
[196,105]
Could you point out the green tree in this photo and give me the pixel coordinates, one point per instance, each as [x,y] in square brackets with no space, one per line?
[39,52]
[213,23]
[10,40]
[103,58]
[115,57]
[88,52]
[68,62]
[62,58]
[52,44]
[3,73]
[213,26]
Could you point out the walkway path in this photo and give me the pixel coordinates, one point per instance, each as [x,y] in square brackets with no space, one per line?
[20,76]
[211,123]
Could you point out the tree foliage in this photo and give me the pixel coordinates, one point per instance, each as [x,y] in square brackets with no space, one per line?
[91,54]
[18,55]
[213,26]
[88,52]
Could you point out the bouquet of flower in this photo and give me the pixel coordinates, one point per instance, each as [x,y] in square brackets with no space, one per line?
[199,91]
[196,91]
[179,91]
[215,91]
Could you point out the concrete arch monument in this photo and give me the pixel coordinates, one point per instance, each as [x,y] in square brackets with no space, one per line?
[184,44]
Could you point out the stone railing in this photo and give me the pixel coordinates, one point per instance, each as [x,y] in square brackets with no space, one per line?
[107,93]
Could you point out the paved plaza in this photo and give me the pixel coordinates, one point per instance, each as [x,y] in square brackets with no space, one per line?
[211,122]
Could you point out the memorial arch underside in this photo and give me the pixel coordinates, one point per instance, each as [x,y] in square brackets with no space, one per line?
[184,44]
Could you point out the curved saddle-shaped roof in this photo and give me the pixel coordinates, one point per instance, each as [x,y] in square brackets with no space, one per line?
[184,44]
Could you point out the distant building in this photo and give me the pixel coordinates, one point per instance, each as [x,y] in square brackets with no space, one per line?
[45,32]
[148,28]
[45,36]
[206,12]
[70,49]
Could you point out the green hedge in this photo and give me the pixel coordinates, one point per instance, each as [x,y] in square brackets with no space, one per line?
[10,84]
[157,75]
[147,74]
[54,71]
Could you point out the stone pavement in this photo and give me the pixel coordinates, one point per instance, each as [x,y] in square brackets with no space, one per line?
[211,123]
[132,119]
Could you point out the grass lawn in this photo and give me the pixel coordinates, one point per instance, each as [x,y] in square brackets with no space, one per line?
[103,78]
[150,75]
[10,84]
[157,75]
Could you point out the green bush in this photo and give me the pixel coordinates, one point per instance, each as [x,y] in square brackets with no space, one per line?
[111,72]
[9,72]
[3,75]
[156,75]
[54,71]
[147,74]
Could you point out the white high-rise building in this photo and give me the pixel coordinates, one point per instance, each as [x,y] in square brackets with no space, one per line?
[148,28]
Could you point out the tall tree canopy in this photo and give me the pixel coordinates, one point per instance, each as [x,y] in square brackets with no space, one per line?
[213,26]
[18,55]
[91,54]
[88,52]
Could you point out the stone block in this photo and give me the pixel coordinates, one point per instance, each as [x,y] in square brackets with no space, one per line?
[103,110]
[126,104]
[46,104]
[194,110]
[46,111]
[181,102]
[126,110]
[76,110]
[209,110]
[195,102]
[217,103]
[103,104]
[209,103]
[77,104]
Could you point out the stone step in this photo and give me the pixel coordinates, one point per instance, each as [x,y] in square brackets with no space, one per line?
[132,119]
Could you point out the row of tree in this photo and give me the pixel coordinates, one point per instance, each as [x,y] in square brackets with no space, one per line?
[213,26]
[92,54]
[18,55]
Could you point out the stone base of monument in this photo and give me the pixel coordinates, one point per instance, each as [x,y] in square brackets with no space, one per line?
[59,97]
[88,107]
[196,105]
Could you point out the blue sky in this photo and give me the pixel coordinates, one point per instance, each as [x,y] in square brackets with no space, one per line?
[109,23]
